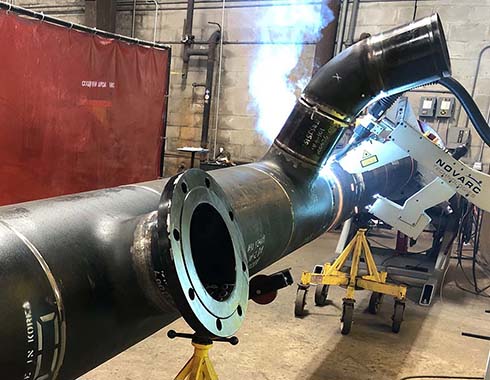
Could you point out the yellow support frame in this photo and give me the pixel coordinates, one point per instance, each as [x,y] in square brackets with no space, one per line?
[199,366]
[374,281]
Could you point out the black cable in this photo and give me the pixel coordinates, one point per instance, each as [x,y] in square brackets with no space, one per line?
[414,10]
[396,282]
[480,292]
[471,291]
[484,289]
[470,221]
[443,377]
[461,229]
[468,280]
[476,246]
[469,106]
[476,336]
[371,240]
[483,267]
[477,222]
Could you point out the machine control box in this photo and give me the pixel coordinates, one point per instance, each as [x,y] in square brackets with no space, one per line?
[445,107]
[427,106]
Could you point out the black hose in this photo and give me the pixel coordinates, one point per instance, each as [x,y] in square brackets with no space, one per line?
[442,377]
[476,245]
[470,107]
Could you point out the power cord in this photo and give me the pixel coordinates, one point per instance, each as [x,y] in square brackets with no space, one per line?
[414,10]
[470,230]
[443,377]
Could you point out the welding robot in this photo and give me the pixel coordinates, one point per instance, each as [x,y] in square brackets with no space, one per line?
[435,196]
[83,277]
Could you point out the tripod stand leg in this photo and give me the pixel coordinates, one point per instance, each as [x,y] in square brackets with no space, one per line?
[185,372]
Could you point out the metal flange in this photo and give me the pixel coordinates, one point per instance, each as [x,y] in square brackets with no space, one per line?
[203,256]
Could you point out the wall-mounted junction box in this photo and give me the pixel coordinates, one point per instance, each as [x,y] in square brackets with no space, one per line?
[427,106]
[445,107]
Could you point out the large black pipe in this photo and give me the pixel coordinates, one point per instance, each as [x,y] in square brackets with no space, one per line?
[189,21]
[188,39]
[83,277]
[77,285]
[69,296]
[377,67]
[210,52]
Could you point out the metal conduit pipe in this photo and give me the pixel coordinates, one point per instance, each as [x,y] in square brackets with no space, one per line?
[155,20]
[85,276]
[188,39]
[218,85]
[472,93]
[210,53]
[216,4]
[341,30]
[56,21]
[352,23]
[127,6]
[133,20]
[213,44]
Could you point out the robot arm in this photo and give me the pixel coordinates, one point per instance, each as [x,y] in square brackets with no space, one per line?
[404,136]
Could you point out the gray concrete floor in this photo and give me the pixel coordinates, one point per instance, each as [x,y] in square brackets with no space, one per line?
[274,345]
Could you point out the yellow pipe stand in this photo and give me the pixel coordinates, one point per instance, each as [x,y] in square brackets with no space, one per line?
[199,366]
[374,281]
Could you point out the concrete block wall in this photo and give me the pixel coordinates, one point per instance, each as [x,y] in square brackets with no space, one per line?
[69,10]
[467,26]
[237,115]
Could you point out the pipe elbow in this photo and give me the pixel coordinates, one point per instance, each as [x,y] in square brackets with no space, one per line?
[385,64]
[382,65]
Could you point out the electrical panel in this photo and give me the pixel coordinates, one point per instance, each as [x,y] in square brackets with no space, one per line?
[445,107]
[427,106]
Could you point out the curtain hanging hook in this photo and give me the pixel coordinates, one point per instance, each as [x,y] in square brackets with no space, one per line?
[10,8]
[42,14]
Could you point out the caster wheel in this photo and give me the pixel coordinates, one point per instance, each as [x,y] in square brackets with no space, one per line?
[398,316]
[347,315]
[321,295]
[375,302]
[300,303]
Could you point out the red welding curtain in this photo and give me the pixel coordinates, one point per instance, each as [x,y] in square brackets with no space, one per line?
[77,111]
